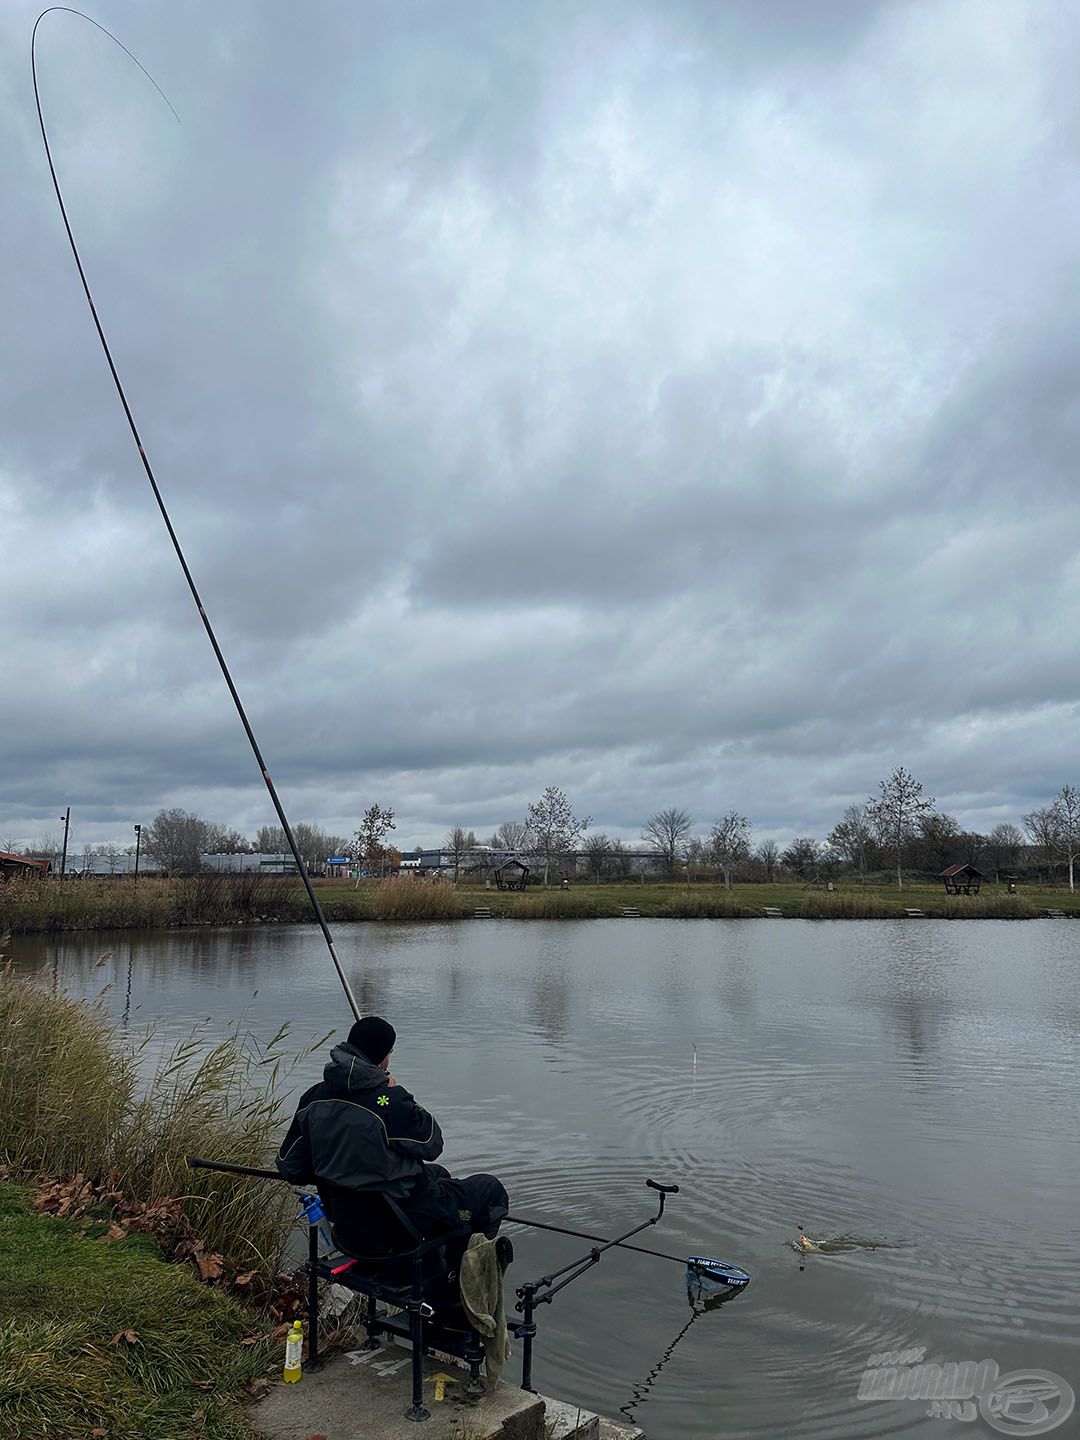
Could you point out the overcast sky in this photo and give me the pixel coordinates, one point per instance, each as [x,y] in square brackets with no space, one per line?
[676,402]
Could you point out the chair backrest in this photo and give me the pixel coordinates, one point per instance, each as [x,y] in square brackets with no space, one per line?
[368,1224]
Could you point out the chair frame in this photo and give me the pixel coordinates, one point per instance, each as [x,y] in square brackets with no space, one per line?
[420,1325]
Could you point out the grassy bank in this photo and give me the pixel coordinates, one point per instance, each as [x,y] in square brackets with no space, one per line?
[73,1103]
[102,1340]
[37,906]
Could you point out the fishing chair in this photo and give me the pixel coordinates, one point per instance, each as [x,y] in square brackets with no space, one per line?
[416,1276]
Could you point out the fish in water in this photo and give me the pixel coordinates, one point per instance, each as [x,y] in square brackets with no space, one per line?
[836,1246]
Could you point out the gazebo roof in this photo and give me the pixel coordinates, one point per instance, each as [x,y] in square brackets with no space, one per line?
[961,870]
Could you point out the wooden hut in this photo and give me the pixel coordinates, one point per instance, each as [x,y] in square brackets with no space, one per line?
[21,865]
[512,875]
[962,880]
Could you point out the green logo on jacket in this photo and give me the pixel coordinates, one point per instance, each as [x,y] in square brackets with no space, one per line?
[383,1100]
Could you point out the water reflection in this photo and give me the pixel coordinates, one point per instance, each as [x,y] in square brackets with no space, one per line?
[702,1300]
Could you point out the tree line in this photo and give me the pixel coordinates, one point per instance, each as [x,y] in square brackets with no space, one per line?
[897,828]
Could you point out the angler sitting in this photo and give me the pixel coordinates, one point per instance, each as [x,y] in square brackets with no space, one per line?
[358,1133]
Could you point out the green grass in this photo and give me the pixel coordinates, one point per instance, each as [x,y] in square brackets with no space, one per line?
[73,1101]
[66,1370]
[101,904]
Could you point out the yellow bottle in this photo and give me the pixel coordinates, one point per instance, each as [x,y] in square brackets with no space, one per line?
[294,1346]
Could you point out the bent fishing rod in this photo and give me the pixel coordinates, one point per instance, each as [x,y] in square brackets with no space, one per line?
[158,497]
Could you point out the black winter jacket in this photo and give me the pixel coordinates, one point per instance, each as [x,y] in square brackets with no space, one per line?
[355,1132]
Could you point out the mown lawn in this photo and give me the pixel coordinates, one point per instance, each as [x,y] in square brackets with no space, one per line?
[102,1340]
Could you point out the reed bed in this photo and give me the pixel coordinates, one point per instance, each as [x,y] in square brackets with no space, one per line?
[75,1101]
[41,905]
[858,905]
[36,904]
[412,900]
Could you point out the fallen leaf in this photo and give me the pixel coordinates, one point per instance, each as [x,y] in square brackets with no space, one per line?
[199,1414]
[211,1267]
[114,1232]
[130,1337]
[98,1433]
[245,1279]
[257,1387]
[203,1384]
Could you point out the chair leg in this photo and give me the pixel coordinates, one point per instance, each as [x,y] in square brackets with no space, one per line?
[476,1385]
[313,1362]
[371,1324]
[417,1411]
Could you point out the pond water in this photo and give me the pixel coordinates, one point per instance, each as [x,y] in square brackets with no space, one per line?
[912,1082]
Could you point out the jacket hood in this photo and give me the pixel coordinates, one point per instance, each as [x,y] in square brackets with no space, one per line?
[349,1070]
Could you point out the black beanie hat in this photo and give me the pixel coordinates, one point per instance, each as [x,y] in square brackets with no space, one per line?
[373,1037]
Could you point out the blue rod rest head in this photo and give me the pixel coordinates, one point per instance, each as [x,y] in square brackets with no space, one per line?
[312,1208]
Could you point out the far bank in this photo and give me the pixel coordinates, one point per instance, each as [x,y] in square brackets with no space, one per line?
[49,905]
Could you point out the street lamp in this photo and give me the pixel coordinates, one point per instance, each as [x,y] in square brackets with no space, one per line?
[138,842]
[66,817]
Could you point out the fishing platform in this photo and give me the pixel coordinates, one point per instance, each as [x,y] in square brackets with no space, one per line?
[420,1345]
[364,1392]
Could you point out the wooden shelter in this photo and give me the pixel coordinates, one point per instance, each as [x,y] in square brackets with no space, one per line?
[512,875]
[962,880]
[21,865]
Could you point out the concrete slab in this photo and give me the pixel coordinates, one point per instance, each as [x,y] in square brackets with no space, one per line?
[563,1421]
[366,1393]
[612,1430]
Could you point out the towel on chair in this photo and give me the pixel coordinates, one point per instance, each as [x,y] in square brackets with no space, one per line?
[480,1277]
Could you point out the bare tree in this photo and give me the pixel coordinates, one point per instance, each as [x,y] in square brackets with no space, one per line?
[896,812]
[767,855]
[939,840]
[111,854]
[512,835]
[621,858]
[368,847]
[852,838]
[270,840]
[457,846]
[176,840]
[596,849]
[554,827]
[1005,841]
[729,843]
[224,840]
[1043,828]
[316,845]
[667,830]
[802,857]
[1067,809]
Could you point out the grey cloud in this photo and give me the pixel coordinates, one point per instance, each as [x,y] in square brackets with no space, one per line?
[674,402]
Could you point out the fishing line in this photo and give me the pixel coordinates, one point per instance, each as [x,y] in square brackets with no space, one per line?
[263,771]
